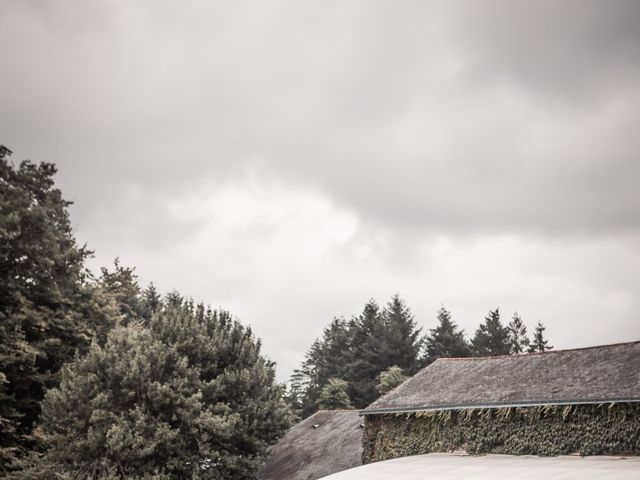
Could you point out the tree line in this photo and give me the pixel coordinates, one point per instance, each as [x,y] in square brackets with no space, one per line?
[357,360]
[102,379]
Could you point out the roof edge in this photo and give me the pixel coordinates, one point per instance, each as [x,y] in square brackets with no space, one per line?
[424,408]
[524,355]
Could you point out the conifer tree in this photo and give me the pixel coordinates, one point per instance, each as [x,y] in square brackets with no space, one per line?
[446,340]
[48,307]
[402,343]
[518,338]
[334,395]
[491,338]
[122,284]
[368,334]
[327,358]
[187,397]
[539,343]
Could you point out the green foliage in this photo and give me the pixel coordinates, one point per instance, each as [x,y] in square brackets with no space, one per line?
[544,430]
[358,351]
[49,309]
[122,285]
[539,344]
[390,379]
[491,337]
[188,397]
[334,395]
[446,340]
[518,339]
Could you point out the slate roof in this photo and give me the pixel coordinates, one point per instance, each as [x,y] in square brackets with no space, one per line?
[585,375]
[308,453]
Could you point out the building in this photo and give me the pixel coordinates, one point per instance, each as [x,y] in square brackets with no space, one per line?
[328,441]
[584,401]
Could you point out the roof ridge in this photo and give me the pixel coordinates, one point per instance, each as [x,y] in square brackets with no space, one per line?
[525,355]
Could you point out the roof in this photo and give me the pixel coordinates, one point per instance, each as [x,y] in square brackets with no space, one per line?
[600,374]
[439,466]
[307,453]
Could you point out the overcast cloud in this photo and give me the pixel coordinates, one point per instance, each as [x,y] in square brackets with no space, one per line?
[289,160]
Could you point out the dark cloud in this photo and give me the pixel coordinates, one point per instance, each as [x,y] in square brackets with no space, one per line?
[410,137]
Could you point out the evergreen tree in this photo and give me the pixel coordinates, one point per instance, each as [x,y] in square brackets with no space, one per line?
[183,398]
[48,308]
[150,301]
[368,338]
[334,395]
[539,344]
[446,340]
[518,338]
[390,379]
[327,358]
[402,343]
[122,284]
[491,338]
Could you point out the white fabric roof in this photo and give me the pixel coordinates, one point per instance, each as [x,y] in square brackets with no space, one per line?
[442,466]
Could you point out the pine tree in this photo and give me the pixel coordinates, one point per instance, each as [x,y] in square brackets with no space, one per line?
[150,301]
[539,344]
[518,339]
[122,284]
[334,395]
[402,343]
[446,340]
[368,338]
[491,338]
[327,358]
[390,379]
[48,307]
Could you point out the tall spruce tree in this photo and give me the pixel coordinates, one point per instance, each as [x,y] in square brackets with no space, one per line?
[518,338]
[48,307]
[368,338]
[491,338]
[327,358]
[446,340]
[539,343]
[402,343]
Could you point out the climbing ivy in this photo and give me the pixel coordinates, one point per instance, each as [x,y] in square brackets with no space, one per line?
[543,430]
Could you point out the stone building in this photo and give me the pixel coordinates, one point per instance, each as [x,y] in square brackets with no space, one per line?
[582,401]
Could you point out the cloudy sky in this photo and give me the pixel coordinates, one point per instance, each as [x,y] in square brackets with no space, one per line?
[288,160]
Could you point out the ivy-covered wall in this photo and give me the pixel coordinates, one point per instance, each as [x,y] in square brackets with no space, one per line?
[544,430]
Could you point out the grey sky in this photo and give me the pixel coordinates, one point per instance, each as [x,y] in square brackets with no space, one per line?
[289,160]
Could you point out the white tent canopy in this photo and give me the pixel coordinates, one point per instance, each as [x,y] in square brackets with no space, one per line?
[442,466]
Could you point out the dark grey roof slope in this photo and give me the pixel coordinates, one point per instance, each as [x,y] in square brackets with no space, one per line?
[585,375]
[307,453]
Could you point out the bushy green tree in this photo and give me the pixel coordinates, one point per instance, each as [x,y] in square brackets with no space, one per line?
[491,338]
[190,396]
[334,395]
[518,338]
[390,379]
[446,340]
[539,343]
